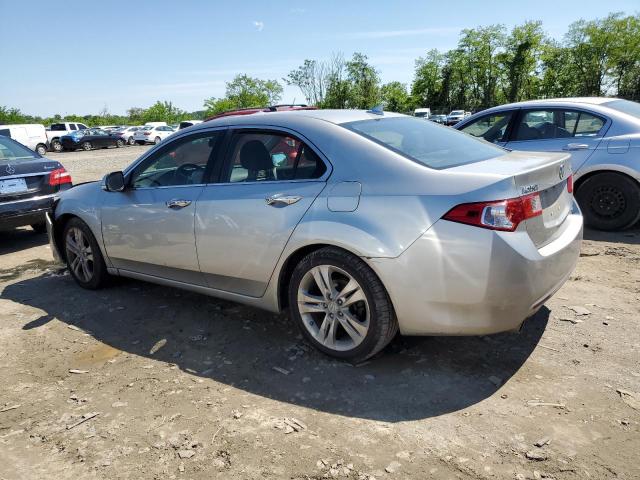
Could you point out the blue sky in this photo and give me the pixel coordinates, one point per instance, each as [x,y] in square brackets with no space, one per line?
[79,58]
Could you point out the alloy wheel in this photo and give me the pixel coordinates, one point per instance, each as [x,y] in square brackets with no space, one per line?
[333,307]
[79,254]
[86,146]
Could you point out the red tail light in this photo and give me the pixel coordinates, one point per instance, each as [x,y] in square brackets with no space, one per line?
[147,133]
[504,215]
[59,176]
[570,184]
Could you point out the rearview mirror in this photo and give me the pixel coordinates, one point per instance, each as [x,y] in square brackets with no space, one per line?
[113,182]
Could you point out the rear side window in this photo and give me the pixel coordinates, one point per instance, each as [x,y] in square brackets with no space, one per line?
[258,156]
[58,127]
[72,126]
[425,142]
[12,151]
[5,132]
[554,123]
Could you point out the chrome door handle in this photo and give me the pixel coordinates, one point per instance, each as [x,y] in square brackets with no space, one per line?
[178,203]
[282,199]
[576,146]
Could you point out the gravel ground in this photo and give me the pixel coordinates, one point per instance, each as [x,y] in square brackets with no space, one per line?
[146,382]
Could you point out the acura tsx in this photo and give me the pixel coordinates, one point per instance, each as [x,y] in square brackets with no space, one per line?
[359,223]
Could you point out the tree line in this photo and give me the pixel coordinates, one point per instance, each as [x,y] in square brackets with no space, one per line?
[489,66]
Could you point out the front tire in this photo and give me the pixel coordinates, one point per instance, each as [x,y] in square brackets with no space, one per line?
[340,305]
[131,141]
[56,146]
[83,256]
[119,143]
[41,148]
[157,140]
[86,146]
[609,201]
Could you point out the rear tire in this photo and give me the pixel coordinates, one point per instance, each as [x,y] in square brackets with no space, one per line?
[119,143]
[157,140]
[56,146]
[131,141]
[83,256]
[609,201]
[41,148]
[86,146]
[353,319]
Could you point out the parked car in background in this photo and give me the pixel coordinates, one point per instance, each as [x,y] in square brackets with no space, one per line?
[90,139]
[57,130]
[109,128]
[440,234]
[441,119]
[31,135]
[28,183]
[126,133]
[422,113]
[188,123]
[601,134]
[152,134]
[155,124]
[455,116]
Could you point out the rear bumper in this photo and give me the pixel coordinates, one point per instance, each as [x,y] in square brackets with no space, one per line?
[24,212]
[462,280]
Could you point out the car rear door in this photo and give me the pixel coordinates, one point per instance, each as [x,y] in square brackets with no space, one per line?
[561,130]
[149,227]
[269,180]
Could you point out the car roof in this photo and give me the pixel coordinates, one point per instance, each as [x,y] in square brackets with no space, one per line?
[559,101]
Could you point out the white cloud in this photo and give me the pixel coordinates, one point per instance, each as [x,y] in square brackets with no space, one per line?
[258,24]
[403,33]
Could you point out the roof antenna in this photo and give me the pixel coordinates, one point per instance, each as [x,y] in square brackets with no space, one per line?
[377,110]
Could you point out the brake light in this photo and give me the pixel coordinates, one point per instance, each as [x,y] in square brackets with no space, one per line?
[147,133]
[570,184]
[59,176]
[504,215]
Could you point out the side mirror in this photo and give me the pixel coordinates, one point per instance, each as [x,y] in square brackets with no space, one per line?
[113,182]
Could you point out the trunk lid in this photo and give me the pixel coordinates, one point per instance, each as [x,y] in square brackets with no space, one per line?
[24,179]
[544,174]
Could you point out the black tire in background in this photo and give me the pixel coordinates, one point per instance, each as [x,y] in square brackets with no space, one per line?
[87,146]
[609,201]
[41,148]
[56,146]
[383,325]
[119,143]
[100,276]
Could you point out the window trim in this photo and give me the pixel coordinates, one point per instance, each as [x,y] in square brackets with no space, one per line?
[270,130]
[209,172]
[523,111]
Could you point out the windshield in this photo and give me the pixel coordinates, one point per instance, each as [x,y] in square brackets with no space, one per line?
[625,106]
[12,151]
[425,142]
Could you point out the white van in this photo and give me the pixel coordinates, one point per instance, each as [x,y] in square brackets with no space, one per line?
[31,135]
[155,124]
[422,113]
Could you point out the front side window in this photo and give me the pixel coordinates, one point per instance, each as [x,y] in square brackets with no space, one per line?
[552,123]
[182,162]
[492,128]
[425,142]
[258,156]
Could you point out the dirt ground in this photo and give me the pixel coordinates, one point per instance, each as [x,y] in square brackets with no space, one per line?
[145,382]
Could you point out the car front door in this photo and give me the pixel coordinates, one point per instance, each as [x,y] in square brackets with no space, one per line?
[270,179]
[149,227]
[558,130]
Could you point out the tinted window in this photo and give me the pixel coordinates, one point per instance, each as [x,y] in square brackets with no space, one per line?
[12,151]
[548,124]
[271,156]
[425,142]
[181,162]
[5,132]
[81,126]
[58,127]
[492,128]
[72,126]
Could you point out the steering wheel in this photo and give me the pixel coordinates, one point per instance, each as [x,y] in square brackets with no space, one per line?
[186,171]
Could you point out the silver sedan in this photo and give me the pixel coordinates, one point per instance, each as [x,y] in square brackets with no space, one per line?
[601,134]
[361,224]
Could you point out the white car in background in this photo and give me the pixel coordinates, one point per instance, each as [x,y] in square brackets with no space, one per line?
[127,133]
[152,134]
[31,135]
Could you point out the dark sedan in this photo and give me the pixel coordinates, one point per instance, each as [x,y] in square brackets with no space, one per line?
[91,138]
[28,184]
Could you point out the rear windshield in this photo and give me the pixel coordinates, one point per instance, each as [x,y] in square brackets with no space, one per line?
[58,127]
[12,151]
[625,106]
[425,142]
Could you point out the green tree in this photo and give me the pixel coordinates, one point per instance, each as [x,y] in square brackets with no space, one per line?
[311,79]
[426,88]
[163,111]
[364,91]
[245,92]
[395,97]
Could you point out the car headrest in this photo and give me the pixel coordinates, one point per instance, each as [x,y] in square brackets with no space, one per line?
[255,156]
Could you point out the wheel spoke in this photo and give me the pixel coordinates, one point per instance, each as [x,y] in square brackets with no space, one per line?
[351,293]
[322,277]
[308,303]
[85,270]
[353,327]
[72,245]
[327,332]
[76,265]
